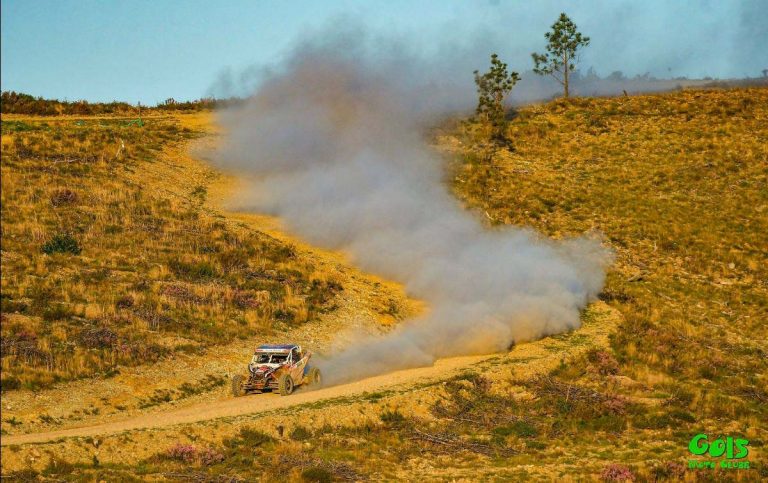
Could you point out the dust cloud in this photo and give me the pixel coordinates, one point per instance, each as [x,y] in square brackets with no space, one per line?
[334,141]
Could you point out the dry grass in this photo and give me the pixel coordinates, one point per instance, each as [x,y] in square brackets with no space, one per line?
[98,271]
[677,184]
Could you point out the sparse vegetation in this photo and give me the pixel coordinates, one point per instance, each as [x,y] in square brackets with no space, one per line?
[676,184]
[184,391]
[687,225]
[190,454]
[97,270]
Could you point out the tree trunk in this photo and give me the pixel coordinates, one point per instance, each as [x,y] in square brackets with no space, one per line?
[565,85]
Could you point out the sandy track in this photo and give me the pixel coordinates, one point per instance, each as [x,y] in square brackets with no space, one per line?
[252,404]
[525,360]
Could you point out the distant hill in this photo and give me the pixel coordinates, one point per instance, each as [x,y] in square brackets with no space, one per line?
[20,103]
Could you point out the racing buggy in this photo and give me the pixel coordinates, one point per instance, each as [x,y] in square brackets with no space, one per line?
[276,367]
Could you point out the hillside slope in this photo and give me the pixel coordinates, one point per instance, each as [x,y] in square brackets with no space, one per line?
[677,185]
[163,294]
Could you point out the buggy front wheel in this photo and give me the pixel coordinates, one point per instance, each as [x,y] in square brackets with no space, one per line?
[238,385]
[285,385]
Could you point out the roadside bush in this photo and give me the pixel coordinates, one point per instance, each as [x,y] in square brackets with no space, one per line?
[187,453]
[40,295]
[616,472]
[521,429]
[63,197]
[58,466]
[62,244]
[249,438]
[9,384]
[284,315]
[97,337]
[192,271]
[670,470]
[210,456]
[182,452]
[181,293]
[232,261]
[392,418]
[316,475]
[300,433]
[604,362]
[124,302]
[56,312]
[245,300]
[9,306]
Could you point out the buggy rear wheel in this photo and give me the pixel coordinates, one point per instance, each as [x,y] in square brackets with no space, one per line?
[238,386]
[285,385]
[314,378]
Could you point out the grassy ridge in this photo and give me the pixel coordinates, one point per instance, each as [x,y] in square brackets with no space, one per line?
[98,271]
[677,184]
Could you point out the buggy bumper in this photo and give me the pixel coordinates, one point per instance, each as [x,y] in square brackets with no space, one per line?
[259,385]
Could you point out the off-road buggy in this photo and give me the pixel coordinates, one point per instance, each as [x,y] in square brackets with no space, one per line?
[276,367]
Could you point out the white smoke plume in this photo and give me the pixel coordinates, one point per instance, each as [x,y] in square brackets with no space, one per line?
[335,138]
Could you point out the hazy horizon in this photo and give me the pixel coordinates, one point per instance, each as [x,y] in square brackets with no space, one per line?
[149,51]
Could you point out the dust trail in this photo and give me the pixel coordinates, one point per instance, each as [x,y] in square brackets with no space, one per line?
[335,143]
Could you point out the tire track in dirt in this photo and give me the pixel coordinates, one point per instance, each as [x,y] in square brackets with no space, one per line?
[251,404]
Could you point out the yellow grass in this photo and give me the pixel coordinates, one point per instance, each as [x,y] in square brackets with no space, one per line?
[153,262]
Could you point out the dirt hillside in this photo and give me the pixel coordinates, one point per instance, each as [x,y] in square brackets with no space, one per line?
[140,411]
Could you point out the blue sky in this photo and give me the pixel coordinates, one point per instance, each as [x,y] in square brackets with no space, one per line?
[149,50]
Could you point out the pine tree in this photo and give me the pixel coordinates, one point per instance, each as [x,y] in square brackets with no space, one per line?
[563,43]
[492,88]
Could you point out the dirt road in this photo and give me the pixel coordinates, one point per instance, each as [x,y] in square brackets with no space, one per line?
[524,360]
[253,404]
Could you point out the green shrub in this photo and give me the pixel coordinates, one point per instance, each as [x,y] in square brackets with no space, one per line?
[193,271]
[533,444]
[9,384]
[249,438]
[316,474]
[62,244]
[300,433]
[392,418]
[9,306]
[681,415]
[521,429]
[56,312]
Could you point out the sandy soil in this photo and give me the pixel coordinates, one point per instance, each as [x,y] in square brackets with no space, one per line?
[254,404]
